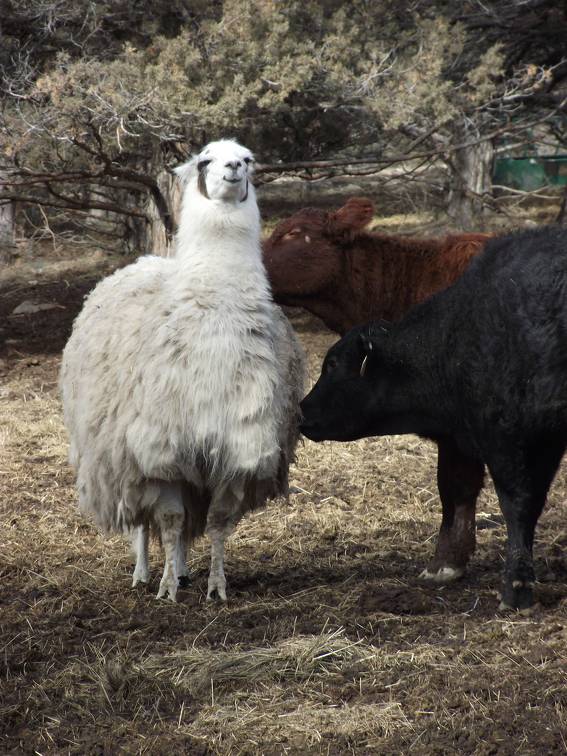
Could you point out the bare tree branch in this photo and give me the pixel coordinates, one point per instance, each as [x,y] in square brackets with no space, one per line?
[393,159]
[68,203]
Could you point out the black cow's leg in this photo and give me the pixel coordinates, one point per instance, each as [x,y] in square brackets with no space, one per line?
[459,480]
[522,487]
[521,513]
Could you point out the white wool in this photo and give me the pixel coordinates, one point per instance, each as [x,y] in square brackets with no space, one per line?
[183,369]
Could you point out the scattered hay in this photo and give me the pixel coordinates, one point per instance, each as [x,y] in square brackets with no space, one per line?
[279,694]
[299,658]
[258,723]
[328,643]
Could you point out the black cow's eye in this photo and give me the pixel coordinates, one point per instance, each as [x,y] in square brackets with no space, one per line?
[202,164]
[331,363]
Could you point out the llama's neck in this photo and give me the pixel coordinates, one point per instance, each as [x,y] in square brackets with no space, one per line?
[219,242]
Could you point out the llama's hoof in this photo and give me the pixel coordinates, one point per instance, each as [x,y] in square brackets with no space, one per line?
[168,587]
[443,575]
[140,575]
[216,588]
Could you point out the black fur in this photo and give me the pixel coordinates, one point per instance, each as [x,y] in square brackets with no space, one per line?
[483,363]
[202,183]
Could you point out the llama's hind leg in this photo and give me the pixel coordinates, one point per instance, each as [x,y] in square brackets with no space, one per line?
[183,574]
[196,504]
[169,516]
[140,544]
[224,512]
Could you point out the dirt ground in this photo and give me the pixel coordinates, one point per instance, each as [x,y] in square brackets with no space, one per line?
[328,644]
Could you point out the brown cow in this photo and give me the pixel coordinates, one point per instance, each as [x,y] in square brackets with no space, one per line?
[331,266]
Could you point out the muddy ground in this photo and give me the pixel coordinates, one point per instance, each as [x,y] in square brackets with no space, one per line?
[329,643]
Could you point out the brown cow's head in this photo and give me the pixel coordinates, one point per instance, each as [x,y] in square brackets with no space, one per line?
[304,254]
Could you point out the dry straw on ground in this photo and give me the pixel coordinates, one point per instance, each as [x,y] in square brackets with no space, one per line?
[328,644]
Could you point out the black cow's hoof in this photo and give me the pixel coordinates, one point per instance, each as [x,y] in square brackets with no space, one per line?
[518,595]
[184,581]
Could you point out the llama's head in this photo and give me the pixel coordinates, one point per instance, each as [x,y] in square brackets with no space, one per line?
[219,212]
[221,171]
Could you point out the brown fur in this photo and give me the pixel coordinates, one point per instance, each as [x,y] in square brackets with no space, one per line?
[329,264]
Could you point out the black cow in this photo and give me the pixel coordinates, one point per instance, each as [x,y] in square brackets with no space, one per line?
[484,364]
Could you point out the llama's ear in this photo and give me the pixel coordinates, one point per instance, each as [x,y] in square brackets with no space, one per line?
[353,216]
[250,163]
[187,170]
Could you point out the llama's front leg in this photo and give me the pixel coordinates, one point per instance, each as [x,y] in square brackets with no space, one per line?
[217,580]
[182,569]
[169,515]
[140,544]
[224,513]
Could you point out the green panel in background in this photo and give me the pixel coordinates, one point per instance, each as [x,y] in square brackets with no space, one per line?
[530,173]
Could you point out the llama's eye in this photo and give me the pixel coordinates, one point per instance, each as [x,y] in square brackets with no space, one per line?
[202,164]
[247,160]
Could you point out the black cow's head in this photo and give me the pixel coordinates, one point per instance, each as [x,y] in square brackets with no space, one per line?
[364,389]
[339,406]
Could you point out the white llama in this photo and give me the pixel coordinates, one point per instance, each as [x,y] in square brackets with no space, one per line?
[181,380]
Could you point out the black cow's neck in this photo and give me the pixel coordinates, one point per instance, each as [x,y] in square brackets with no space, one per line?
[421,349]
[413,421]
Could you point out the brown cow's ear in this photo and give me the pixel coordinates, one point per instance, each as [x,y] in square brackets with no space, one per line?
[353,216]
[292,234]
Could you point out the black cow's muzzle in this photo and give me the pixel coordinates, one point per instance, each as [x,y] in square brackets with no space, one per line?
[310,430]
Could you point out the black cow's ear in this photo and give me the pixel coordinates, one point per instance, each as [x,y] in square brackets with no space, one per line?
[366,342]
[367,347]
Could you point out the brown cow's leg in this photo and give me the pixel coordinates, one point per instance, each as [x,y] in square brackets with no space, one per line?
[460,480]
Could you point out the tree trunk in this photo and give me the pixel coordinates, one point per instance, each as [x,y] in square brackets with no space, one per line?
[156,235]
[157,202]
[158,239]
[471,183]
[7,231]
[562,214]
